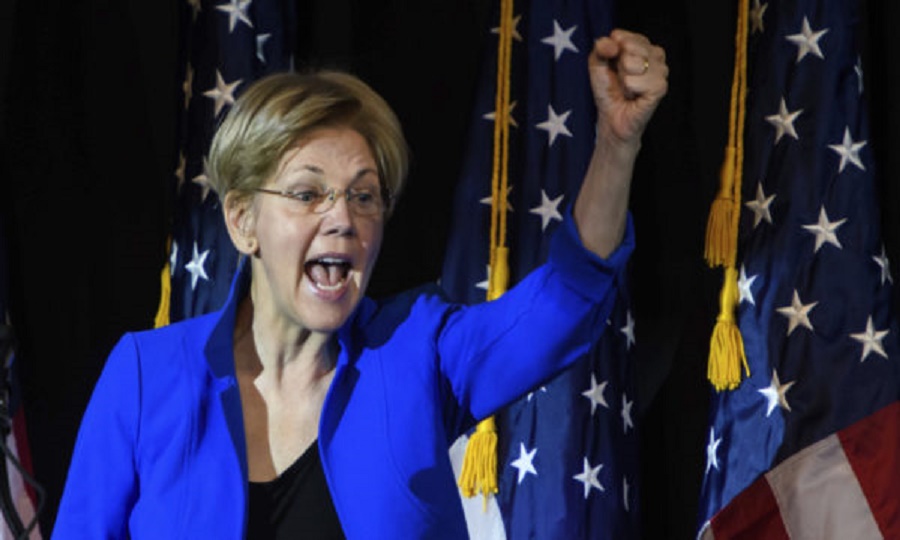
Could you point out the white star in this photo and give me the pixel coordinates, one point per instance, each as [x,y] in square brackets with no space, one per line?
[776,394]
[588,477]
[825,230]
[849,151]
[760,206]
[859,73]
[628,330]
[531,394]
[223,93]
[807,41]
[756,16]
[744,287]
[626,413]
[711,459]
[173,258]
[509,116]
[515,29]
[260,46]
[524,462]
[885,264]
[548,209]
[195,6]
[237,11]
[487,200]
[871,340]
[202,180]
[797,313]
[188,85]
[595,394]
[483,285]
[555,124]
[195,267]
[561,40]
[625,488]
[783,121]
[179,171]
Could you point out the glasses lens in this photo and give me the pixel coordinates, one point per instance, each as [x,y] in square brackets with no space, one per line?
[362,202]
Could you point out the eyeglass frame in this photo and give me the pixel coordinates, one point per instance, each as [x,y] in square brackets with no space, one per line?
[332,194]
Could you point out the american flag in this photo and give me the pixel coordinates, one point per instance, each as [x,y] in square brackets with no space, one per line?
[25,494]
[225,46]
[567,452]
[809,445]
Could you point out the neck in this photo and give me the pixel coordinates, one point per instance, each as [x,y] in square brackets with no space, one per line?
[274,353]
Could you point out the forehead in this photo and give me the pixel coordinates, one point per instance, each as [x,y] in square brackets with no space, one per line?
[331,148]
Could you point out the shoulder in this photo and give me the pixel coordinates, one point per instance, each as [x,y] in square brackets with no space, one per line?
[193,330]
[422,302]
[416,314]
[169,348]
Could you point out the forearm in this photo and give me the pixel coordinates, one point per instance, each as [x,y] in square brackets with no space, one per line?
[602,204]
[628,79]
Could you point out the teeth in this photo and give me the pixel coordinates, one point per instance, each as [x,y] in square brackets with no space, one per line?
[329,273]
[334,287]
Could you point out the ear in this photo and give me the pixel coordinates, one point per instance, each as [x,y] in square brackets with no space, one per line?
[241,222]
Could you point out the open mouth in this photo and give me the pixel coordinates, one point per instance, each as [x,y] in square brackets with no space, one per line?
[328,273]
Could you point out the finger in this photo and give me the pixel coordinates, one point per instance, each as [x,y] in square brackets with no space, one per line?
[644,73]
[627,52]
[605,50]
[634,63]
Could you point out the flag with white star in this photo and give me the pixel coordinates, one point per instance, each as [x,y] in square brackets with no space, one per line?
[225,45]
[568,451]
[809,444]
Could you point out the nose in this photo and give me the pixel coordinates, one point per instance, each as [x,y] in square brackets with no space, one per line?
[338,219]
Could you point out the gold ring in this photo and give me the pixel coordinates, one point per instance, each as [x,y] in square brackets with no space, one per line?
[646,65]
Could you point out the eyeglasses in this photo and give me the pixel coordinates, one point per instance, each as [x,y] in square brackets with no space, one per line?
[315,200]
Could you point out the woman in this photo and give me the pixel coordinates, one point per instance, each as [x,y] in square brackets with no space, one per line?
[302,408]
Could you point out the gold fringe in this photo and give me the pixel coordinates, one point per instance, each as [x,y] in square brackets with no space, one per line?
[479,471]
[720,236]
[165,295]
[726,348]
[499,278]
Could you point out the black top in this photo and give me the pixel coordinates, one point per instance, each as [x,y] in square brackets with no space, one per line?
[296,505]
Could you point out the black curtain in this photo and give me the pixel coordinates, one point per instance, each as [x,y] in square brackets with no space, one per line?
[88,101]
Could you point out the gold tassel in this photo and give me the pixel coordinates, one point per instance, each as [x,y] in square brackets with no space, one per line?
[165,294]
[479,470]
[498,281]
[720,236]
[726,347]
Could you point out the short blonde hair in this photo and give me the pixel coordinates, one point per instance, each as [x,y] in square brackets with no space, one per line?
[275,112]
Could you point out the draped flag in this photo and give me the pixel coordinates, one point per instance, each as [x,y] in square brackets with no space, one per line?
[23,496]
[568,452]
[226,45]
[809,445]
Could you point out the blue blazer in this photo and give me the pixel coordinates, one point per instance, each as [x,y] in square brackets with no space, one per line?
[161,450]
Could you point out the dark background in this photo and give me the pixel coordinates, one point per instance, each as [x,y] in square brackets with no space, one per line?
[88,100]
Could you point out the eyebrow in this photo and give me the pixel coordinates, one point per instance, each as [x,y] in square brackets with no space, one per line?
[318,171]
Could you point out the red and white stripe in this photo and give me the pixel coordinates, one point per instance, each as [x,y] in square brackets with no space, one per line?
[846,486]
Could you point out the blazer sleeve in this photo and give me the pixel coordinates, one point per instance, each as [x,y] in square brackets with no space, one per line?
[493,353]
[102,484]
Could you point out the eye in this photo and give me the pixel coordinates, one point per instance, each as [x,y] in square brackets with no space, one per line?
[308,196]
[363,198]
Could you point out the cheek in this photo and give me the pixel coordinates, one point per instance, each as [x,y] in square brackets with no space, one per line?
[372,242]
[283,239]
